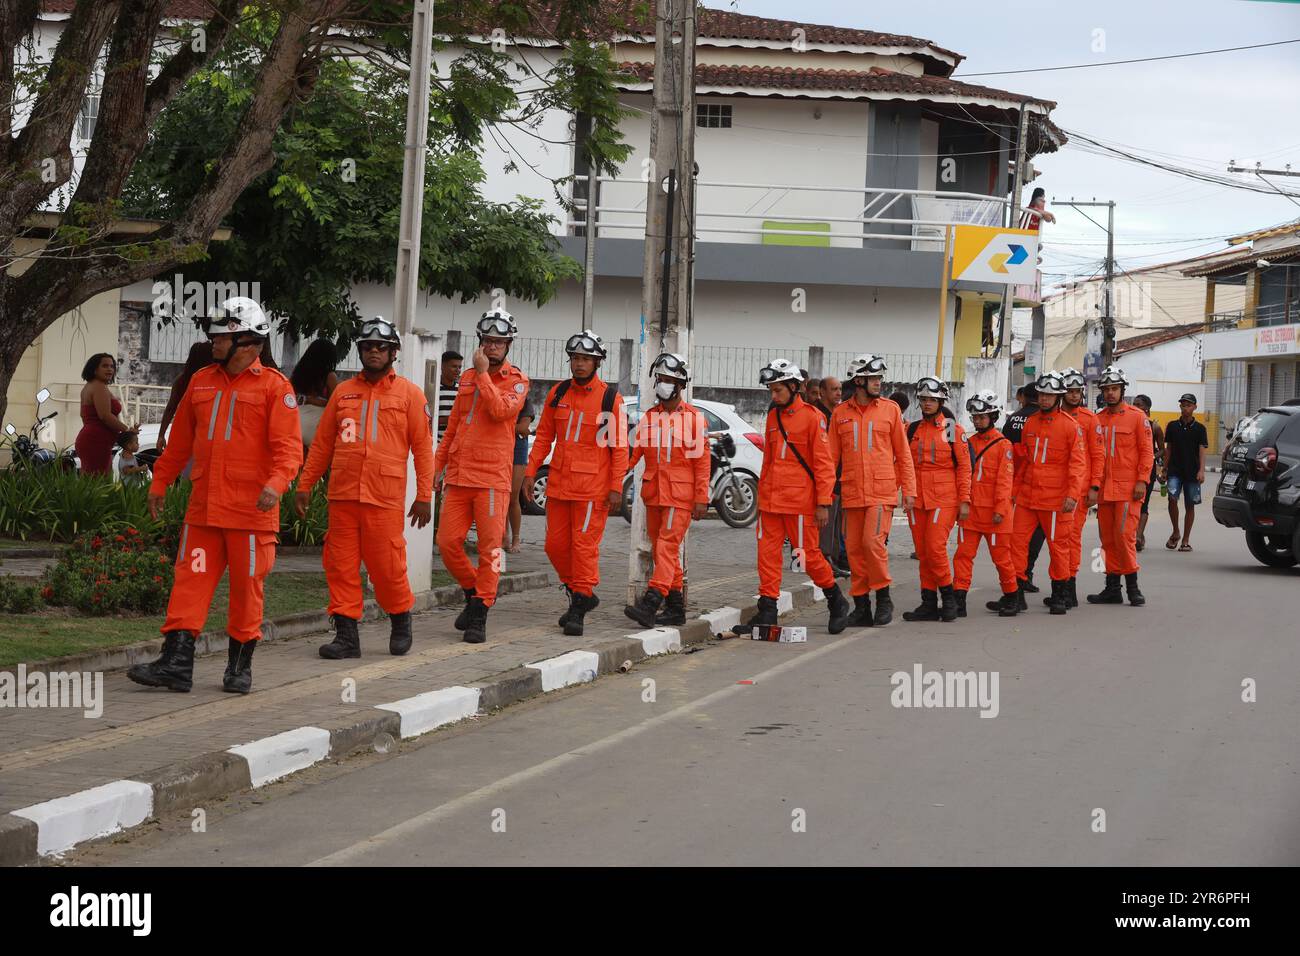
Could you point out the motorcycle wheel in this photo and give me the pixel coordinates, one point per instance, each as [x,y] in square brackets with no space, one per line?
[738,507]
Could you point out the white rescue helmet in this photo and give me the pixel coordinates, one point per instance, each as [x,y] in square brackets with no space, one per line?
[1050,383]
[670,365]
[379,329]
[867,364]
[498,323]
[1073,378]
[586,342]
[238,314]
[779,370]
[1112,375]
[984,403]
[931,387]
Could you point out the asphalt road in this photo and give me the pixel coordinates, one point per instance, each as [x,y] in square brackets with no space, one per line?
[1120,737]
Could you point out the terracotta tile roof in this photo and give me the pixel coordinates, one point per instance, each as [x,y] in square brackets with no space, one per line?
[1283,230]
[794,79]
[1156,337]
[1245,260]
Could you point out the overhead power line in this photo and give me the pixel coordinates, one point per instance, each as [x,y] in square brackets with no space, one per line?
[1141,59]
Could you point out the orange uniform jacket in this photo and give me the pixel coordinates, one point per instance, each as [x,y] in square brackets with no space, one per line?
[784,487]
[991,481]
[1087,420]
[243,435]
[869,446]
[1051,462]
[479,445]
[364,437]
[590,452]
[675,446]
[1126,445]
[942,463]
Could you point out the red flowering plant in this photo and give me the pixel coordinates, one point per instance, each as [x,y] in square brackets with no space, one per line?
[109,573]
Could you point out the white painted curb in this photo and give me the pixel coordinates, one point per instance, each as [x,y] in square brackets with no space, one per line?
[660,640]
[66,821]
[425,712]
[722,620]
[784,602]
[575,667]
[274,757]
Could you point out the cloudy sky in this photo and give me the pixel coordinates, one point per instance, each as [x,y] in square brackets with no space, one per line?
[1198,112]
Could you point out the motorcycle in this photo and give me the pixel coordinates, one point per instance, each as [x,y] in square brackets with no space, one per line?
[733,494]
[26,451]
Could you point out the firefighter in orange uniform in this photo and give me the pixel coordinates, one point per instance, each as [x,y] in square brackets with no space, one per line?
[1076,406]
[795,490]
[1127,445]
[673,439]
[942,463]
[583,418]
[369,427]
[868,443]
[992,473]
[1051,478]
[239,422]
[475,460]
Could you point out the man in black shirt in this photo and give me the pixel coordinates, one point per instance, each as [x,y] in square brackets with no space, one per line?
[1015,424]
[1184,469]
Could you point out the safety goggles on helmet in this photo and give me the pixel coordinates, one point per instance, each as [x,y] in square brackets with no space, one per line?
[867,365]
[497,323]
[586,342]
[984,403]
[670,365]
[931,387]
[1073,378]
[1112,375]
[379,329]
[1050,383]
[779,370]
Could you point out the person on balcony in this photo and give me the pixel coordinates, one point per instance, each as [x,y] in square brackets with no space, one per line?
[1032,216]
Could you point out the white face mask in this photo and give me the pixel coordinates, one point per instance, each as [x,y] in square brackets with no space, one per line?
[665,390]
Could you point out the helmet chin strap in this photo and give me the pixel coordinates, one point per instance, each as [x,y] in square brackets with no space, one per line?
[235,345]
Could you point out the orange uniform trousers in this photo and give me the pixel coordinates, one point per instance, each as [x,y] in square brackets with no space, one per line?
[804,535]
[666,527]
[360,532]
[1118,523]
[865,532]
[573,533]
[1079,520]
[930,531]
[204,554]
[998,540]
[1056,528]
[486,509]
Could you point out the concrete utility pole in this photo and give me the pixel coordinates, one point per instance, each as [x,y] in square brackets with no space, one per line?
[1108,294]
[669,228]
[419,357]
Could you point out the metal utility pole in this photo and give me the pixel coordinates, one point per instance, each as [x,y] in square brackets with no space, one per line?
[669,227]
[1108,294]
[414,361]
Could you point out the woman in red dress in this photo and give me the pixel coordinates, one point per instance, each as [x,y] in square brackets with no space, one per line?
[100,425]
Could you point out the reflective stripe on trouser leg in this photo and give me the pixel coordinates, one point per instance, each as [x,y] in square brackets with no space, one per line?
[1058,547]
[252,555]
[666,542]
[196,580]
[492,501]
[671,512]
[1052,536]
[770,554]
[341,557]
[815,564]
[587,520]
[585,545]
[182,554]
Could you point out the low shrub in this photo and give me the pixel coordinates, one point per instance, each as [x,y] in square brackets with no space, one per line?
[17,598]
[109,573]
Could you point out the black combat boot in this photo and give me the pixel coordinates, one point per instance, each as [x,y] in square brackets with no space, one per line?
[674,609]
[238,678]
[1009,606]
[884,608]
[837,608]
[1029,587]
[1057,601]
[1110,594]
[1134,595]
[582,603]
[644,610]
[961,602]
[949,610]
[764,616]
[462,619]
[476,628]
[861,616]
[346,643]
[174,668]
[564,618]
[928,609]
[1021,603]
[1072,592]
[399,635]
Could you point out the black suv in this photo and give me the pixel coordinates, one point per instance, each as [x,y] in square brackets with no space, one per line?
[1259,489]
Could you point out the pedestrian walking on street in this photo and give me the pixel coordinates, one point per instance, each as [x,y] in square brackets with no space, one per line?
[1143,402]
[371,426]
[992,475]
[1126,442]
[1051,479]
[1184,471]
[868,444]
[239,421]
[673,440]
[1075,404]
[583,419]
[795,490]
[473,468]
[943,474]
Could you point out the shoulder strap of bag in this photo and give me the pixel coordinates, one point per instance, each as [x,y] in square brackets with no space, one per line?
[607,400]
[975,459]
[560,391]
[781,425]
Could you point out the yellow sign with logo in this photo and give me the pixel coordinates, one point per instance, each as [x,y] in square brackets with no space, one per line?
[994,254]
